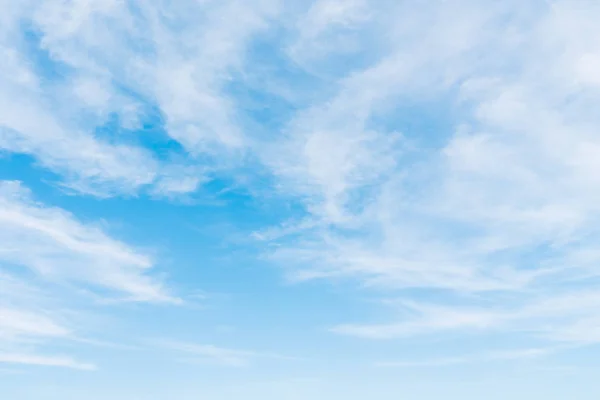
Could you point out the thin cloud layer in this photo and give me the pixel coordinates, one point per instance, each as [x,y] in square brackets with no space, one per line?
[201,353]
[46,361]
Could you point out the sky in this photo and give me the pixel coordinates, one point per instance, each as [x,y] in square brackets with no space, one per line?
[285,199]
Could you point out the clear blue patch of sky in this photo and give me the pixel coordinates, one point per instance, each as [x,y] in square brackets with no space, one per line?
[45,66]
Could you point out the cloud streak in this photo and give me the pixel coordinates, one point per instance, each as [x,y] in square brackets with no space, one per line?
[219,355]
[55,245]
[45,361]
[512,355]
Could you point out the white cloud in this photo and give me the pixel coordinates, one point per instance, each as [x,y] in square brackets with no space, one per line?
[45,361]
[74,65]
[53,268]
[328,28]
[188,53]
[23,323]
[94,163]
[430,320]
[56,246]
[28,313]
[32,320]
[219,355]
[557,315]
[502,355]
[495,211]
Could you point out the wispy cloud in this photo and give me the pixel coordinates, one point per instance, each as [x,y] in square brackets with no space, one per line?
[55,245]
[140,69]
[511,355]
[45,361]
[560,317]
[219,355]
[496,213]
[47,258]
[442,153]
[23,323]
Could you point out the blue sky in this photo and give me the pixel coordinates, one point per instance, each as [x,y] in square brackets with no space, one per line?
[324,199]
